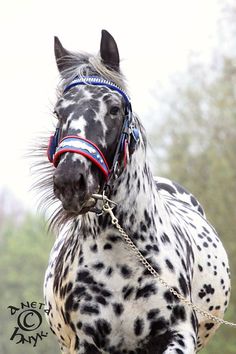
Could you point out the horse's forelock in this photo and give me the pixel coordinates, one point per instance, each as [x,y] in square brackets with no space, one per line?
[83,64]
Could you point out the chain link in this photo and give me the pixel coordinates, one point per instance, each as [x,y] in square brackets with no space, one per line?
[107,209]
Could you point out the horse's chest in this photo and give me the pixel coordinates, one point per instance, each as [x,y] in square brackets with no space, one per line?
[117,310]
[110,284]
[110,298]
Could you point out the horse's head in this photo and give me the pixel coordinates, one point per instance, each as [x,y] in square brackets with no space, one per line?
[93,119]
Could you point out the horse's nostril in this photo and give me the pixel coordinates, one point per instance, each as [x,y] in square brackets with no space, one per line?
[58,186]
[80,184]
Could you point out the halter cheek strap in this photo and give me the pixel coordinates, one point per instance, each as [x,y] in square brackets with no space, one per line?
[84,147]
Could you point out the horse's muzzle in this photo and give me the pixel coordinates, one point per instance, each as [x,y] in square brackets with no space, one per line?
[72,188]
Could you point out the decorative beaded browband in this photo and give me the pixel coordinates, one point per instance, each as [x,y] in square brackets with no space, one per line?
[77,144]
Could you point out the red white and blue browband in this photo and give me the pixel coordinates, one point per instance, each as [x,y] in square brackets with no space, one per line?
[77,144]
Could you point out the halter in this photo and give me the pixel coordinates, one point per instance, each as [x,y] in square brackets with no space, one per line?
[76,144]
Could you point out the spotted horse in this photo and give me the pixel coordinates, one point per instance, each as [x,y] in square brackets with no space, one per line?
[102,299]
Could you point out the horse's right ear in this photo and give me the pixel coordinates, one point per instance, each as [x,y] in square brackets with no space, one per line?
[61,55]
[109,51]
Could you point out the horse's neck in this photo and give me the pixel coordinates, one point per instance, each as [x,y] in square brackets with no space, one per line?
[135,193]
[137,199]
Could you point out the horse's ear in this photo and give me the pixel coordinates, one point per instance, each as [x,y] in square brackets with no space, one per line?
[61,55]
[109,51]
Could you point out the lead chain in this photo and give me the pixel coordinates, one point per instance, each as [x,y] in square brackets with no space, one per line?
[107,209]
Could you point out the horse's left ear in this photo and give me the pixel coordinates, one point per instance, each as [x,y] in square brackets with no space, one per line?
[109,51]
[61,55]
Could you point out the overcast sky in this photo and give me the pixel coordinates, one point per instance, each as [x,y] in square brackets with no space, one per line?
[154,39]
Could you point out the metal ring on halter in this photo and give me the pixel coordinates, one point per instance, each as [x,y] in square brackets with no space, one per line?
[104,198]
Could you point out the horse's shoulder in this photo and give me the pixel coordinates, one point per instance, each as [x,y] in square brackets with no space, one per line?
[167,187]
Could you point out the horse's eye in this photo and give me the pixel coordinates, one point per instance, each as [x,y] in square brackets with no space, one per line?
[114,110]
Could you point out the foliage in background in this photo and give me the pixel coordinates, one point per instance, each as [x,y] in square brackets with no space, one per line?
[24,252]
[195,145]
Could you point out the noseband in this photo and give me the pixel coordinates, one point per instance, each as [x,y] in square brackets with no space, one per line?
[82,146]
[76,144]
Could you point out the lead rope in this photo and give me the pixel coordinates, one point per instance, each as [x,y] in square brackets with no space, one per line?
[108,209]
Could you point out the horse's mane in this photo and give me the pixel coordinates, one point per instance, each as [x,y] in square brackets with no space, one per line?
[77,65]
